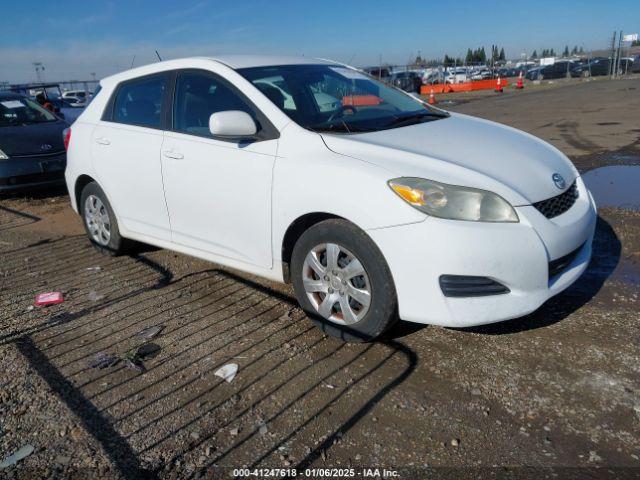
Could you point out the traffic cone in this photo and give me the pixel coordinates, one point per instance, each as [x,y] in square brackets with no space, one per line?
[520,85]
[432,98]
[499,85]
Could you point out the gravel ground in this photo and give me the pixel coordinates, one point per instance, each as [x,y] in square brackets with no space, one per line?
[553,395]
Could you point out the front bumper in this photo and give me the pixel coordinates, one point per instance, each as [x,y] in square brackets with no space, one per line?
[33,171]
[516,255]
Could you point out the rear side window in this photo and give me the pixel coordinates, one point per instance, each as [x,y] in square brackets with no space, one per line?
[139,102]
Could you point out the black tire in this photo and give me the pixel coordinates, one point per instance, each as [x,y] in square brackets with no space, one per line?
[383,311]
[116,244]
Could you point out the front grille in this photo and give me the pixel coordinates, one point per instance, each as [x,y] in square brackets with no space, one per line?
[552,207]
[557,266]
[469,286]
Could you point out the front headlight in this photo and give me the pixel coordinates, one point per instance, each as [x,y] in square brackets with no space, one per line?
[453,202]
[3,156]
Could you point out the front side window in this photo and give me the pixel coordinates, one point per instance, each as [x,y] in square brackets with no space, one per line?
[139,102]
[337,99]
[197,97]
[23,111]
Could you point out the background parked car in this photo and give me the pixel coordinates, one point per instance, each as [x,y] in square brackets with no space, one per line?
[558,70]
[31,144]
[380,73]
[407,81]
[600,66]
[73,102]
[78,94]
[456,75]
[481,74]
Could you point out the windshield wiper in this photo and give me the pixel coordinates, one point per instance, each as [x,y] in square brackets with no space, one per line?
[414,118]
[338,128]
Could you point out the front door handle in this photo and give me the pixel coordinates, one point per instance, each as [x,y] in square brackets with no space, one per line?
[103,141]
[174,155]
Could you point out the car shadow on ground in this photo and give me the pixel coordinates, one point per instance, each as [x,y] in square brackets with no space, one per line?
[296,395]
[35,193]
[12,218]
[605,257]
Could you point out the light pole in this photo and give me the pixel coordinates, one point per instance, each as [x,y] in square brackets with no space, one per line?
[39,71]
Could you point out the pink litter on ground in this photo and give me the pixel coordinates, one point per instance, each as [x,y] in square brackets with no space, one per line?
[49,298]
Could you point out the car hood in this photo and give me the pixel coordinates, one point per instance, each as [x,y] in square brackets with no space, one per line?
[467,151]
[29,139]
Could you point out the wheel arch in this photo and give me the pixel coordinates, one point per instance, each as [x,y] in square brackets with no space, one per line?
[81,182]
[295,230]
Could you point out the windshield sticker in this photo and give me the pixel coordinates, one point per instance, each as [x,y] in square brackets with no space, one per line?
[348,73]
[12,104]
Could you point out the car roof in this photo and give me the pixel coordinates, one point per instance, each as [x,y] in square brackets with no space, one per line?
[233,62]
[248,61]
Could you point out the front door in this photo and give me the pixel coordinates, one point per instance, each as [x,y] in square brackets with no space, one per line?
[218,191]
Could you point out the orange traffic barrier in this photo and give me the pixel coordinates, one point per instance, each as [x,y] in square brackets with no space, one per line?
[519,84]
[432,98]
[361,100]
[462,87]
[498,86]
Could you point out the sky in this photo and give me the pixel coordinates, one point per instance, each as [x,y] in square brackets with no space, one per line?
[74,39]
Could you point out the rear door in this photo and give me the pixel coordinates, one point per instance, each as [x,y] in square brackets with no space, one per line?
[126,154]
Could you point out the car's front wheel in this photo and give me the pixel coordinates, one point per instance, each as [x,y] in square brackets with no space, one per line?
[343,282]
[99,221]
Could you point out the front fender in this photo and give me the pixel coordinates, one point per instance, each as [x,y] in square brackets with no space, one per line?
[310,178]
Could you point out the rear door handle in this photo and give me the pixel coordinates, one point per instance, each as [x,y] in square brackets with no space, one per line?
[103,141]
[174,155]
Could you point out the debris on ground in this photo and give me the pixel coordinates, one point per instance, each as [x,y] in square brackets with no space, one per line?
[263,429]
[227,372]
[94,269]
[48,298]
[234,431]
[150,332]
[95,296]
[103,360]
[24,452]
[134,358]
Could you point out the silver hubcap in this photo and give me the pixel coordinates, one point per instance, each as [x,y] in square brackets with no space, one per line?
[97,220]
[336,284]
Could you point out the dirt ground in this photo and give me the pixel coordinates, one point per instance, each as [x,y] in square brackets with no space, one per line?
[553,395]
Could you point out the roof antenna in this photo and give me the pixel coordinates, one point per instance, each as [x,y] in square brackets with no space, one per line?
[133,60]
[158,55]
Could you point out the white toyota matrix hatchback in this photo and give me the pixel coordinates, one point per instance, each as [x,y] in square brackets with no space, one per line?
[373,204]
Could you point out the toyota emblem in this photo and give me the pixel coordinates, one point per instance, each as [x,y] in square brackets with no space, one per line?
[559,181]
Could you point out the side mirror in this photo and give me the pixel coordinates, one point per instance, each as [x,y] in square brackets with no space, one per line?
[232,123]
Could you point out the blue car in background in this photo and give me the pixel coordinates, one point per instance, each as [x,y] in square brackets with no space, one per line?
[32,150]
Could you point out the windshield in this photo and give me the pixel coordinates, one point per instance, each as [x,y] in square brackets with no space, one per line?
[326,98]
[22,111]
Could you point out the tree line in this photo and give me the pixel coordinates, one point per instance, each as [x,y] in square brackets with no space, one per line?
[550,52]
[479,56]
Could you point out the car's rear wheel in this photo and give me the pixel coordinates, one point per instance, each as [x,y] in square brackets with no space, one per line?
[343,282]
[99,221]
